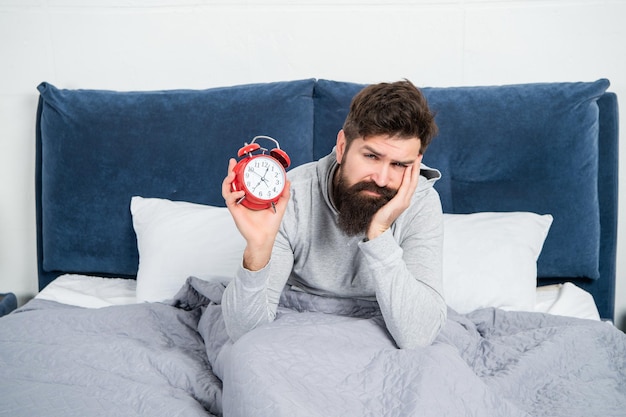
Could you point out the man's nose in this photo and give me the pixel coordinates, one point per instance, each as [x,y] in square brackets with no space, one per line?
[381,176]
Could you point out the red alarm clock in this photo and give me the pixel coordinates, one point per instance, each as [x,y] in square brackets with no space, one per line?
[260,175]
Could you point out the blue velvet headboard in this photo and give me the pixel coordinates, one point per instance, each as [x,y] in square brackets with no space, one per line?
[546,148]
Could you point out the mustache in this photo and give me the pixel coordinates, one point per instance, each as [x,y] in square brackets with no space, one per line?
[384,192]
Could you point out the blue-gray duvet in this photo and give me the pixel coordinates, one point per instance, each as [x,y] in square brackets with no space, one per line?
[320,357]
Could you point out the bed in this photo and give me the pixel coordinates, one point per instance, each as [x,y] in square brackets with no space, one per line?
[135,249]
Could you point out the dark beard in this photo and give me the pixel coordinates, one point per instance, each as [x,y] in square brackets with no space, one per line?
[355,208]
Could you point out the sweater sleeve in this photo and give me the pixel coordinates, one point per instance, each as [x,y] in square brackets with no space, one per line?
[251,298]
[407,275]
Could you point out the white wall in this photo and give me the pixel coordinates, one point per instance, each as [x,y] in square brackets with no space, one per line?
[160,44]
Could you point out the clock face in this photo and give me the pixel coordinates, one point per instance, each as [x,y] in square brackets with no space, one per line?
[264,178]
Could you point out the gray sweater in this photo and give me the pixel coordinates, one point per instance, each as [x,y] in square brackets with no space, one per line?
[401,269]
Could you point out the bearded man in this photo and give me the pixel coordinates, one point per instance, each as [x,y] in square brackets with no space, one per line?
[362,223]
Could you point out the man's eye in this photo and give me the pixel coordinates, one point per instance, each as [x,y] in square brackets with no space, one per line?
[370,156]
[400,164]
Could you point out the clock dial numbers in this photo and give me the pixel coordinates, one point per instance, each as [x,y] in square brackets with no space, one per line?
[264,178]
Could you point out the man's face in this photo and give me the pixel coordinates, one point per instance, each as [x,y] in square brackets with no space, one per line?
[369,175]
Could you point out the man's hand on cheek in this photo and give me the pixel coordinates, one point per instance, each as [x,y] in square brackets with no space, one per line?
[384,218]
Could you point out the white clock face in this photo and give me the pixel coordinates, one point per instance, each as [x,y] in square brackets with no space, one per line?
[264,177]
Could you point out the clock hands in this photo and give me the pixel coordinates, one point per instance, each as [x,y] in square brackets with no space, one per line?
[262,180]
[257,184]
[263,177]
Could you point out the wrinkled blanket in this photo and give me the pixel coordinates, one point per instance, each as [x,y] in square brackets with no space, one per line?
[320,357]
[487,363]
[132,360]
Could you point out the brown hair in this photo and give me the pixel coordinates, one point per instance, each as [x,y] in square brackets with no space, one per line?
[397,109]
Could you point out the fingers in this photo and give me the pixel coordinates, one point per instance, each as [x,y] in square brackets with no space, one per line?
[411,177]
[281,204]
[408,185]
[415,174]
[230,176]
[230,196]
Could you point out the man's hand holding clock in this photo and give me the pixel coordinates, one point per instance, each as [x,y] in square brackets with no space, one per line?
[256,192]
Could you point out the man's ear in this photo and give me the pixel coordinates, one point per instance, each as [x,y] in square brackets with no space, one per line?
[340,148]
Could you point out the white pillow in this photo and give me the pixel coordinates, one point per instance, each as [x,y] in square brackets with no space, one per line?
[490,259]
[177,239]
[566,299]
